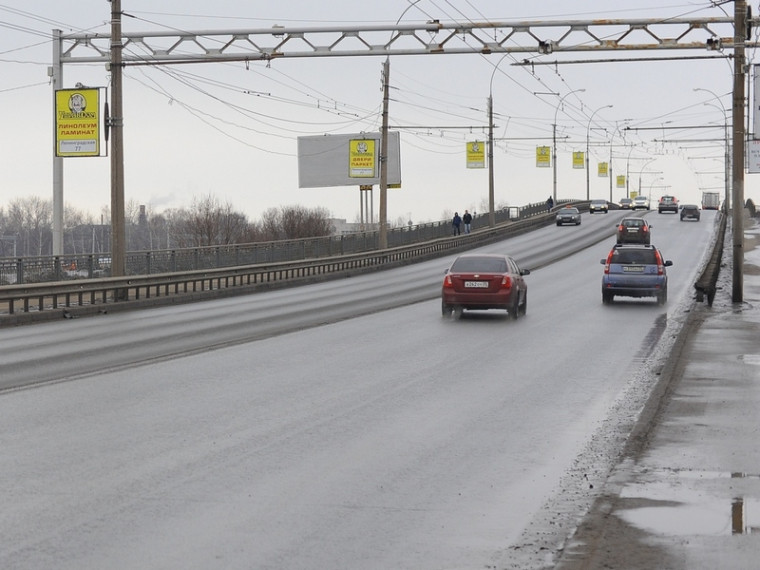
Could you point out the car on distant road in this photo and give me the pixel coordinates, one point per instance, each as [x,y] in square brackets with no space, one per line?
[640,203]
[598,206]
[667,204]
[477,281]
[569,215]
[690,212]
[635,271]
[625,203]
[634,230]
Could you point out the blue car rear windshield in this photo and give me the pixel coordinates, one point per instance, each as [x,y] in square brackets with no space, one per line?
[634,256]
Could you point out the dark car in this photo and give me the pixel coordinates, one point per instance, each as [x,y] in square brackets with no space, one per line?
[625,203]
[634,230]
[635,271]
[690,212]
[484,281]
[598,206]
[667,204]
[569,215]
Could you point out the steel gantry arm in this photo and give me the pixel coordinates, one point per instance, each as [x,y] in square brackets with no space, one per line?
[433,37]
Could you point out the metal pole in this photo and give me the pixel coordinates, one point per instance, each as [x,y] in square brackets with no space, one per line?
[491,204]
[56,77]
[383,235]
[740,13]
[118,226]
[554,139]
[727,158]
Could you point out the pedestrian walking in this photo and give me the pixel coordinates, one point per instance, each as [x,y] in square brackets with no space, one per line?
[456,222]
[467,221]
[549,204]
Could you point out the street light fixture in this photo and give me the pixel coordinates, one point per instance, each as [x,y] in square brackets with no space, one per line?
[727,156]
[588,129]
[554,141]
[491,201]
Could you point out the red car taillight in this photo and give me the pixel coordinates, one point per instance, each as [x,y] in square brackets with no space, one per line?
[645,229]
[447,284]
[660,266]
[506,282]
[607,265]
[621,228]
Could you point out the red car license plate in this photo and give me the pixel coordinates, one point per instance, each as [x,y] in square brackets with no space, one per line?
[476,284]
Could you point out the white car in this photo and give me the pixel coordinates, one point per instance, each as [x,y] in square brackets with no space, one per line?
[640,202]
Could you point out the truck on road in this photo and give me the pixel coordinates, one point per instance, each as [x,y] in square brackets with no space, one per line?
[710,200]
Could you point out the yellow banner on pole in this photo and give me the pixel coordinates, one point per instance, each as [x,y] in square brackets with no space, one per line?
[543,157]
[602,169]
[578,160]
[621,181]
[77,122]
[476,154]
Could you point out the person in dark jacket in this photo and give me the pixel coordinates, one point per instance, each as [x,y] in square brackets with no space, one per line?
[549,204]
[467,220]
[456,222]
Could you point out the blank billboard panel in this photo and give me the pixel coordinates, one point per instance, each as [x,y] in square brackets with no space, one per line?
[346,160]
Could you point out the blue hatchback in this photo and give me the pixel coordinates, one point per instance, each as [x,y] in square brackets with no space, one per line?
[635,271]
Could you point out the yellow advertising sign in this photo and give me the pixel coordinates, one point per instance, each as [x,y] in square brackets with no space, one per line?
[602,169]
[578,159]
[476,154]
[77,122]
[361,158]
[543,157]
[621,181]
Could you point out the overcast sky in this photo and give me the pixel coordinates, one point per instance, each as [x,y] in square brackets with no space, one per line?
[231,129]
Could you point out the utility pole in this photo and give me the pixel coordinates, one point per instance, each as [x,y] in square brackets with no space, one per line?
[56,79]
[383,230]
[740,30]
[118,226]
[491,201]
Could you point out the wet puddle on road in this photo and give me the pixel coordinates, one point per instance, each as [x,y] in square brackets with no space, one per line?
[673,504]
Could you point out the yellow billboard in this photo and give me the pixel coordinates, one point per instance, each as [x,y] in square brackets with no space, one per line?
[578,160]
[476,154]
[621,181]
[543,157]
[77,122]
[602,170]
[361,158]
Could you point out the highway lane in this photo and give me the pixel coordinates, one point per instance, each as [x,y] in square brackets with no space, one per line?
[111,341]
[392,439]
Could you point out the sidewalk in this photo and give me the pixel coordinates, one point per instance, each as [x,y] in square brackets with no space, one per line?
[690,498]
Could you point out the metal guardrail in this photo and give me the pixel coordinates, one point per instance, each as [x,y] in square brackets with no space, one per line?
[27,303]
[19,270]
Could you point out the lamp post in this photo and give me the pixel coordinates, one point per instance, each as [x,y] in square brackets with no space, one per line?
[727,156]
[491,201]
[588,129]
[554,142]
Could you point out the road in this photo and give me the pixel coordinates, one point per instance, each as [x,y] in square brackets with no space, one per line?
[342,425]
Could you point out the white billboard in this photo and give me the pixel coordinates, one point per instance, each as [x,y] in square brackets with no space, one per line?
[346,160]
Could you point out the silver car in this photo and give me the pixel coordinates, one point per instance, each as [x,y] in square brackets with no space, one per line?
[640,203]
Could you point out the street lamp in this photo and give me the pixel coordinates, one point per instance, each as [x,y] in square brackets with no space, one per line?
[727,157]
[554,141]
[588,129]
[491,201]
[383,215]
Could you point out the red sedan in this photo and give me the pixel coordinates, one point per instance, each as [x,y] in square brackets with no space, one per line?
[479,281]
